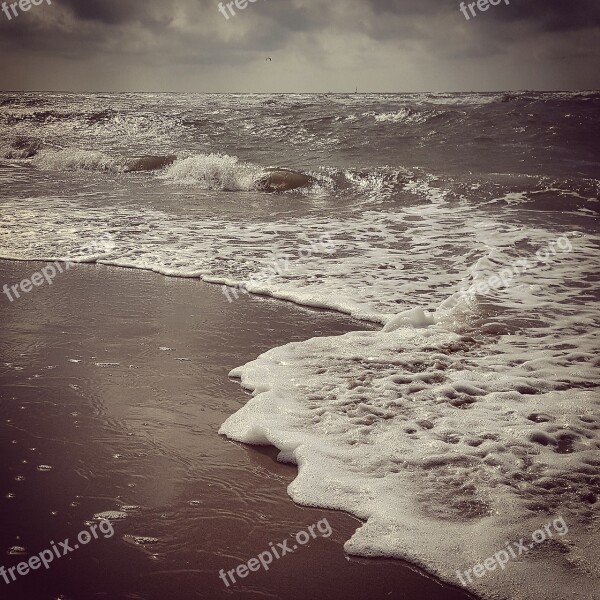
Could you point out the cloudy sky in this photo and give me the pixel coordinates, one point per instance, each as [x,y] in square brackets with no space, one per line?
[315,46]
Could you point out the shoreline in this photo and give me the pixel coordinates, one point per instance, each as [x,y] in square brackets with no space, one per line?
[138,417]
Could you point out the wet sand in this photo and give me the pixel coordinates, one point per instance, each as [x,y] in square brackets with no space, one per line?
[131,424]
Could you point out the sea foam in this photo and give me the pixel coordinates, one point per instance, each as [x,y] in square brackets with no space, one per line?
[439,446]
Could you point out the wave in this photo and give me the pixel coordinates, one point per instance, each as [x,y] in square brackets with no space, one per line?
[22,100]
[362,130]
[75,159]
[42,117]
[228,173]
[413,116]
[222,172]
[207,171]
[39,117]
[217,171]
[20,147]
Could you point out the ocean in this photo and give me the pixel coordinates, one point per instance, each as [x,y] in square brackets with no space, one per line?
[462,227]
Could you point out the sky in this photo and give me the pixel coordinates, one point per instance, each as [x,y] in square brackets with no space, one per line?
[314,46]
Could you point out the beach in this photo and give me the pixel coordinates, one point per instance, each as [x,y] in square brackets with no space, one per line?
[116,380]
[359,326]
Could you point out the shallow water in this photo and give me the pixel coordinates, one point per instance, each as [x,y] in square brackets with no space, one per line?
[94,385]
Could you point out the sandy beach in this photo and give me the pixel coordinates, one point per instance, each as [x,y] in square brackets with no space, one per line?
[114,383]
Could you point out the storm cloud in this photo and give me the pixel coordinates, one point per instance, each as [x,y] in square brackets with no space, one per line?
[332,45]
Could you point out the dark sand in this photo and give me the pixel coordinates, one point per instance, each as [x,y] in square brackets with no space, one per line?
[144,432]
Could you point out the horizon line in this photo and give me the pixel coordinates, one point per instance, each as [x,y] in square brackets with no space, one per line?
[507,91]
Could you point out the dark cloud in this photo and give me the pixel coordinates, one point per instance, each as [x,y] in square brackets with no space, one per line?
[310,37]
[108,11]
[550,15]
[553,15]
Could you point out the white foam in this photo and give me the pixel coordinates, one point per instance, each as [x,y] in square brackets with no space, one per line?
[75,159]
[214,172]
[406,115]
[428,436]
